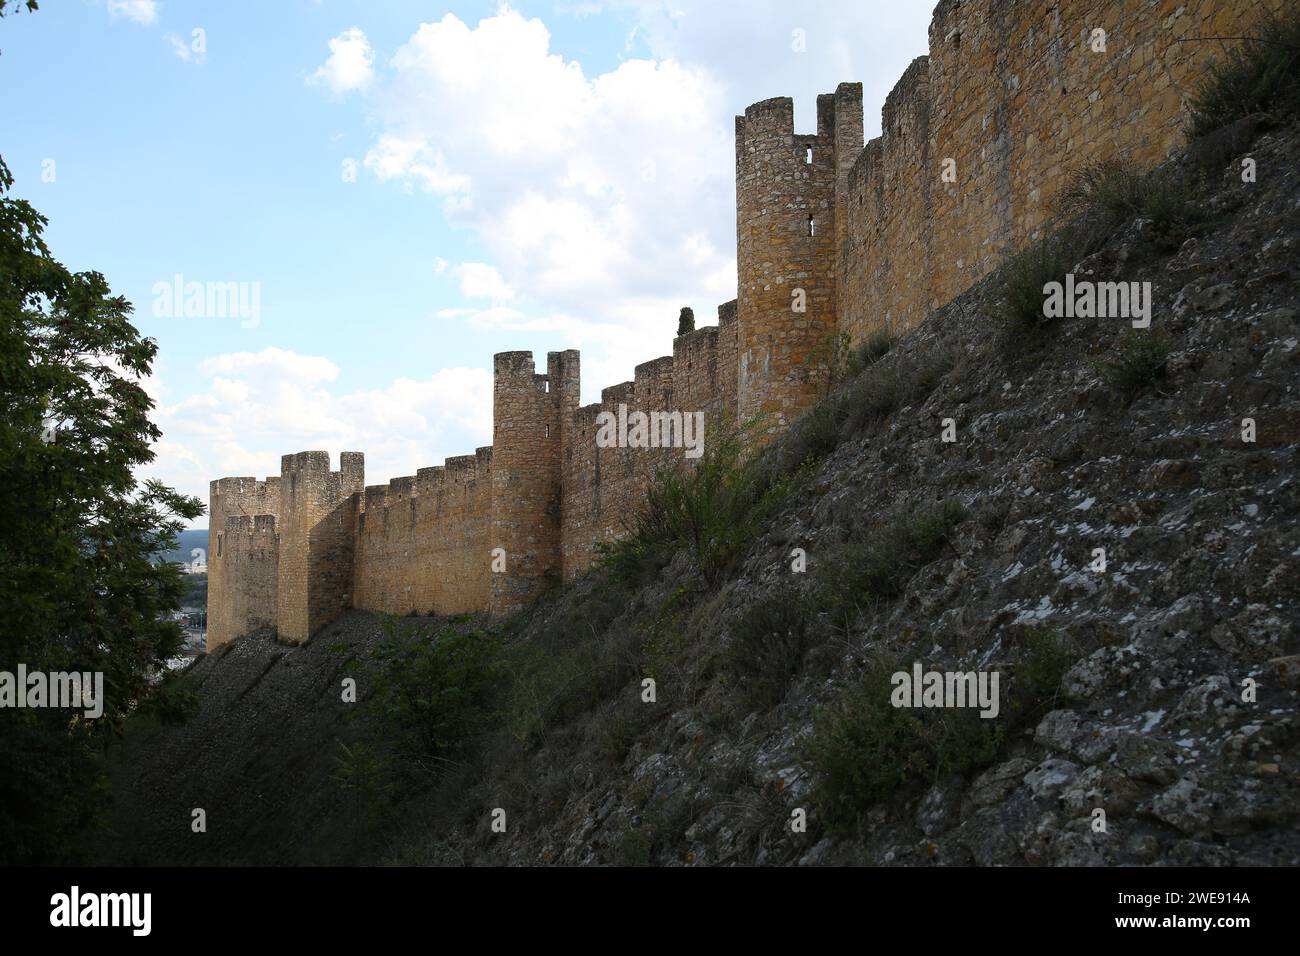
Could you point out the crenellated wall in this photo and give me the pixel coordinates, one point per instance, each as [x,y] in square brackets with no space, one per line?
[422,541]
[1019,95]
[544,495]
[833,237]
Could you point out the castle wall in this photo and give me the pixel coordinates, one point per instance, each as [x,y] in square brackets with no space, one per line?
[250,557]
[422,542]
[704,369]
[1011,91]
[232,498]
[885,260]
[1014,93]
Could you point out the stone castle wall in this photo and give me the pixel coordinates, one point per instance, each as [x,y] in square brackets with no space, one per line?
[422,540]
[864,237]
[1014,92]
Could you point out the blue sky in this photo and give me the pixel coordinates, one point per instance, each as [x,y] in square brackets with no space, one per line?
[406,187]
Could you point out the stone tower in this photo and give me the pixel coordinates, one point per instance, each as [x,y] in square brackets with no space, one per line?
[528,411]
[241,594]
[317,525]
[786,248]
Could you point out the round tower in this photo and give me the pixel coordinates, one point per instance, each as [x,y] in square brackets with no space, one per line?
[785,259]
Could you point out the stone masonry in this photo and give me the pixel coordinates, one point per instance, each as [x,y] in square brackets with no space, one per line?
[832,237]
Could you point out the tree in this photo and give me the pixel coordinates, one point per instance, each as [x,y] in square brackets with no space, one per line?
[29,4]
[82,584]
[686,321]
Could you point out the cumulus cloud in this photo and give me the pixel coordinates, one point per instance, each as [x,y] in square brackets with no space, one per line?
[478,280]
[781,49]
[139,11]
[256,406]
[588,192]
[349,66]
[416,162]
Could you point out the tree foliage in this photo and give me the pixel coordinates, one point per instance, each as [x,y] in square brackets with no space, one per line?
[82,584]
[686,320]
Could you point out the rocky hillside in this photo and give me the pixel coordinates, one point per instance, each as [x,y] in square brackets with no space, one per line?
[1156,683]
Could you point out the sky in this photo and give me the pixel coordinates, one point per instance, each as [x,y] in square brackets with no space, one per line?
[330,214]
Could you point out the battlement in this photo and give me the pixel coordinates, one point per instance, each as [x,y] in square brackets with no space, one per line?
[908,104]
[834,236]
[652,384]
[249,525]
[245,495]
[613,394]
[462,468]
[774,115]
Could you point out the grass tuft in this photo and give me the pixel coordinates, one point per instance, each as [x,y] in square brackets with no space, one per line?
[1136,361]
[1261,75]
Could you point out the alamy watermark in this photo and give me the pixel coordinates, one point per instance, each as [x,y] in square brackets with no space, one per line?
[653,430]
[72,690]
[1085,299]
[75,908]
[923,688]
[179,299]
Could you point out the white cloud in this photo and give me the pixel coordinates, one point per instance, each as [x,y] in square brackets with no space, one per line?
[755,54]
[478,280]
[257,406]
[393,157]
[349,66]
[586,191]
[139,11]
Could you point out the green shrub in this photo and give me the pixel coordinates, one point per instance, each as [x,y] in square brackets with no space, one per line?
[711,509]
[874,569]
[871,350]
[837,359]
[1042,658]
[437,692]
[556,688]
[1025,328]
[366,777]
[1260,75]
[665,637]
[1103,196]
[863,750]
[816,433]
[873,396]
[635,847]
[169,702]
[768,643]
[1138,359]
[884,387]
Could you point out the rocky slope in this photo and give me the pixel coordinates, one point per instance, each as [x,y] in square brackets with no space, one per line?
[1084,443]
